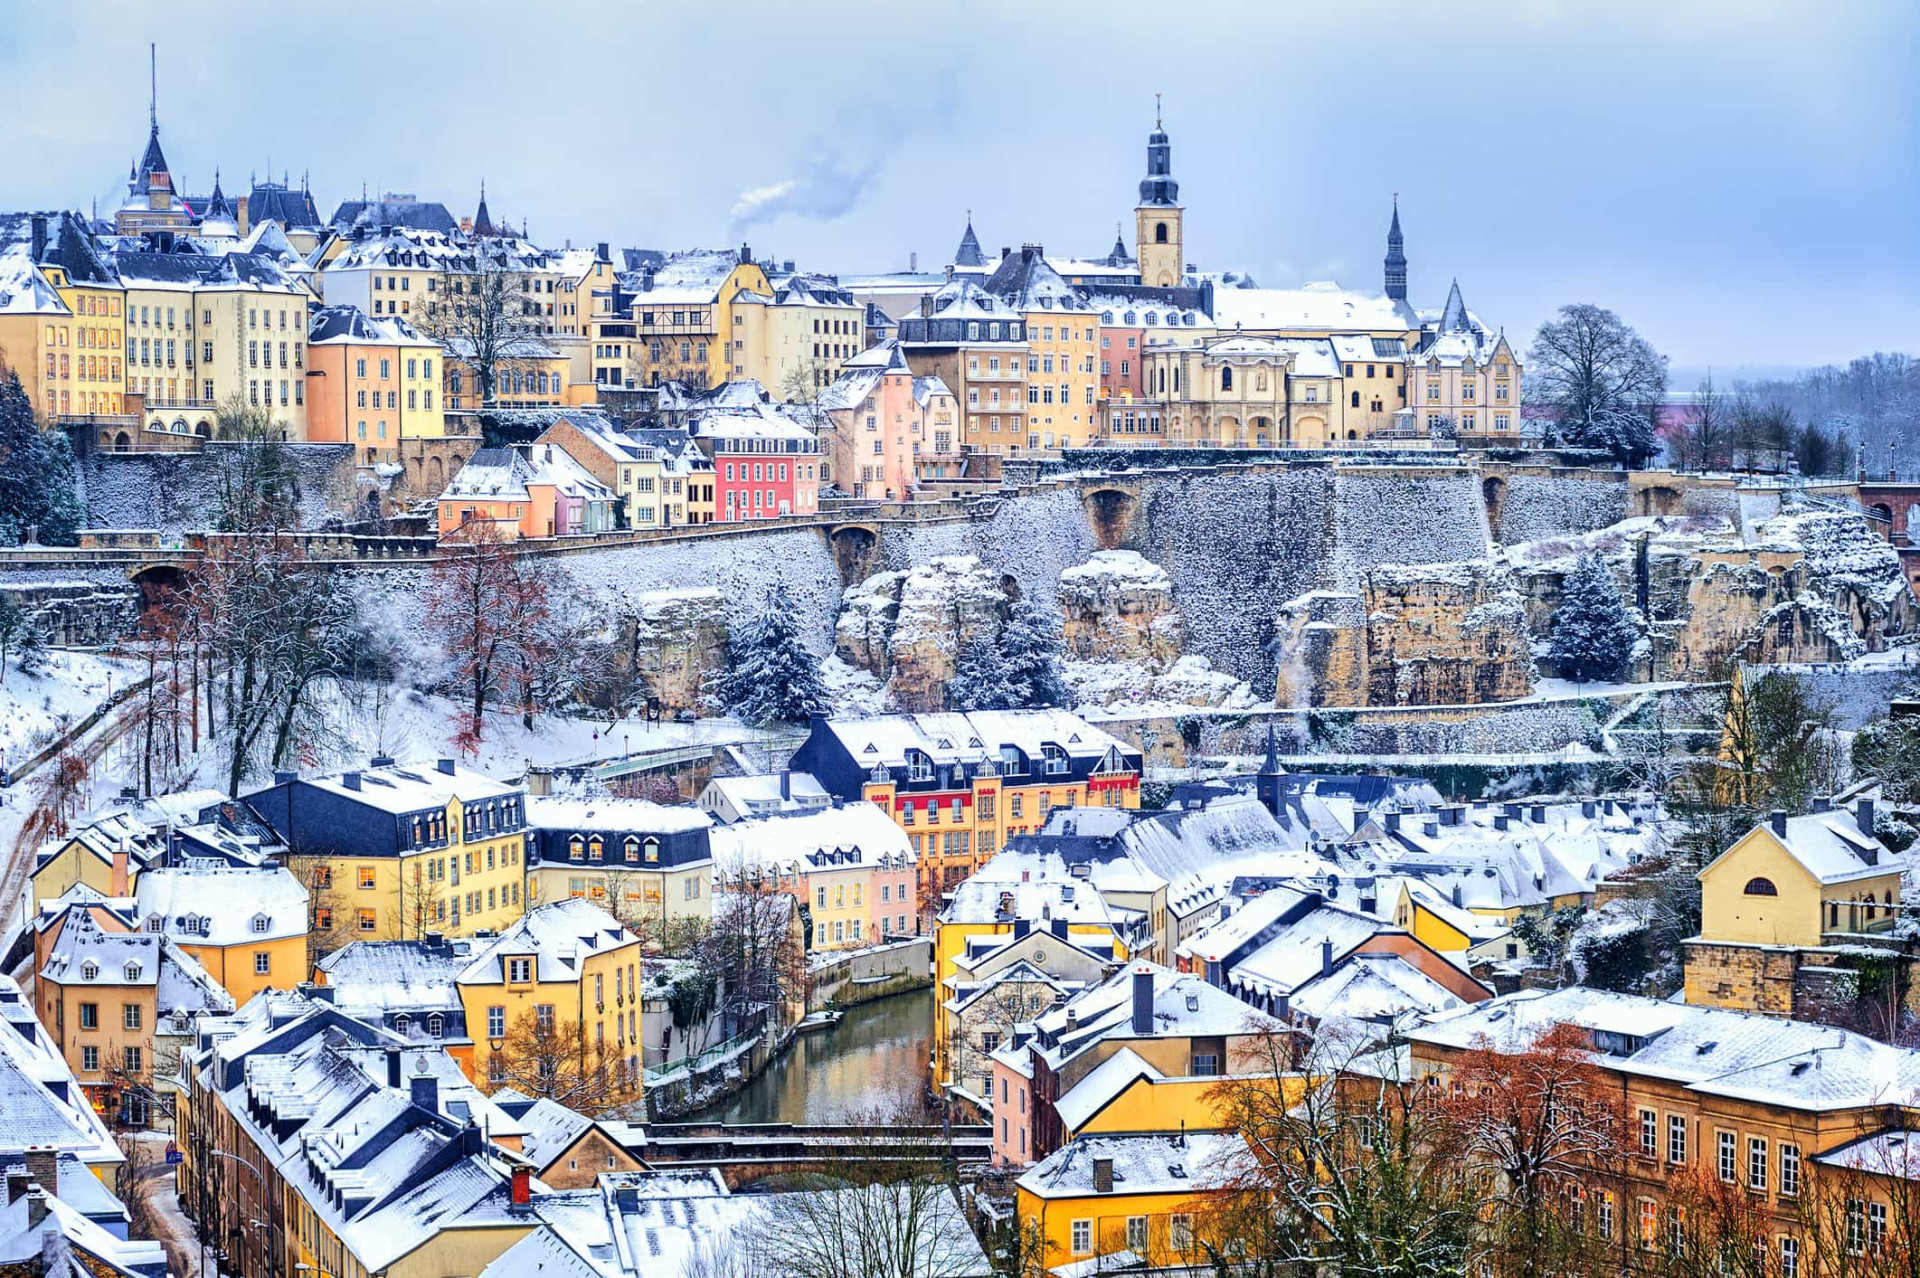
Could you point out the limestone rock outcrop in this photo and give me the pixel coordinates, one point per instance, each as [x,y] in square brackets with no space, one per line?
[1413,635]
[1126,640]
[679,643]
[907,628]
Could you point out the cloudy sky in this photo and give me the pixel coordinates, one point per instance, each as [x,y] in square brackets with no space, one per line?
[1737,179]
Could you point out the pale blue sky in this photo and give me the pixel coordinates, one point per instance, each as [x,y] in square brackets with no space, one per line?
[1737,179]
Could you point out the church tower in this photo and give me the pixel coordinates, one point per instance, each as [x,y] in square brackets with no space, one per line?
[1396,258]
[1159,239]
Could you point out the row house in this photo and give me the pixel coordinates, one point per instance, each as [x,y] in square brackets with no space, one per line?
[533,490]
[1247,392]
[393,851]
[887,426]
[796,337]
[976,344]
[1808,1122]
[765,462]
[852,870]
[649,865]
[961,785]
[1063,338]
[372,382]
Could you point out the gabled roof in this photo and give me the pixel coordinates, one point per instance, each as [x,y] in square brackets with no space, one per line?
[560,936]
[1829,846]
[1028,283]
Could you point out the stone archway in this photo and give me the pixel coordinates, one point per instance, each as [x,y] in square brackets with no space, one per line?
[1493,493]
[121,443]
[1110,511]
[856,551]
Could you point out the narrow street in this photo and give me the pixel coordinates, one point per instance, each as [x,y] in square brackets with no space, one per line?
[180,1235]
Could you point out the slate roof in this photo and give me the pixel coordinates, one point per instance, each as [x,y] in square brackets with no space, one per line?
[559,935]
[350,324]
[1144,1164]
[417,214]
[223,905]
[277,201]
[969,254]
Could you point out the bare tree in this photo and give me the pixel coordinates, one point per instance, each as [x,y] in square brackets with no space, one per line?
[256,484]
[1602,381]
[480,311]
[483,589]
[753,948]
[547,1057]
[136,1184]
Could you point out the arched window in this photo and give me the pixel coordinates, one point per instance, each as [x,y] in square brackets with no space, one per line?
[402,1023]
[1761,887]
[1226,379]
[1159,232]
[576,847]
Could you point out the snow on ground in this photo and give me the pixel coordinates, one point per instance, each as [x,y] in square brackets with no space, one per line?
[853,691]
[36,708]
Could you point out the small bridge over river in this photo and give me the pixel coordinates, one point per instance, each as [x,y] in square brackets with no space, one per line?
[745,1153]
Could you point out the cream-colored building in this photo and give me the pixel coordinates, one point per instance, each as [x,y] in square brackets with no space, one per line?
[1063,349]
[1464,379]
[795,339]
[1247,392]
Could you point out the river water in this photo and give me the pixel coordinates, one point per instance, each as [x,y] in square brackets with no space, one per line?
[874,1060]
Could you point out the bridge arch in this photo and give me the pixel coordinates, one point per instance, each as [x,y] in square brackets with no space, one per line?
[1661,499]
[856,550]
[160,585]
[1110,509]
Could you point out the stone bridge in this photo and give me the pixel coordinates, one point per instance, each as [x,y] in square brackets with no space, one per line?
[748,1153]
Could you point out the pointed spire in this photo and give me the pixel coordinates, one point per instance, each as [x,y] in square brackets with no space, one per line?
[1454,317]
[969,254]
[482,224]
[1270,766]
[1396,261]
[153,89]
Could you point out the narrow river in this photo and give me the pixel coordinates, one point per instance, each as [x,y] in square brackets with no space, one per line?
[873,1061]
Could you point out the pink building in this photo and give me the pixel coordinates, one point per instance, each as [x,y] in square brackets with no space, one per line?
[765,463]
[889,426]
[851,866]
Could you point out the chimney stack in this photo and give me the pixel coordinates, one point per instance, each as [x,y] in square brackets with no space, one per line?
[446,765]
[1143,1000]
[36,1207]
[786,784]
[425,1092]
[1539,814]
[522,1192]
[117,883]
[351,780]
[1060,928]
[39,236]
[43,1167]
[1777,819]
[1863,816]
[1586,808]
[1326,956]
[17,1183]
[1103,1175]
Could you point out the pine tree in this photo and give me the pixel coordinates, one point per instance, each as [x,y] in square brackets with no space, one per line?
[37,487]
[1031,644]
[771,676]
[13,624]
[1593,636]
[981,679]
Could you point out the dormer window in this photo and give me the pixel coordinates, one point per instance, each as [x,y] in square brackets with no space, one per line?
[1056,759]
[156,923]
[919,766]
[596,850]
[402,1023]
[89,970]
[630,848]
[133,971]
[436,1025]
[576,848]
[652,848]
[260,922]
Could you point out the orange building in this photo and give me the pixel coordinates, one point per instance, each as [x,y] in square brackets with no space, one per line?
[542,493]
[371,382]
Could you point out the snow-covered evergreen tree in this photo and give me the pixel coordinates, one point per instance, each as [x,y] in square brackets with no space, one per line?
[982,679]
[37,490]
[1032,647]
[771,676]
[1593,635]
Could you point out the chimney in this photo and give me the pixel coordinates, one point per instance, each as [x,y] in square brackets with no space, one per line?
[380,761]
[1607,807]
[39,236]
[1073,1019]
[522,1191]
[1586,808]
[285,778]
[1539,814]
[351,780]
[1822,804]
[1500,821]
[36,1207]
[43,1167]
[646,280]
[117,884]
[1020,928]
[1778,820]
[1060,928]
[600,253]
[746,256]
[1143,1000]
[1393,822]
[17,1182]
[1456,894]
[1326,956]
[786,783]
[913,263]
[446,765]
[425,1092]
[1431,828]
[1103,1175]
[1005,252]
[393,1066]
[1863,816]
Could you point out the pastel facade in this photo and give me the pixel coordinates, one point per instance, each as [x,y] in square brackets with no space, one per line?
[1465,379]
[852,867]
[765,463]
[245,925]
[372,383]
[886,425]
[1248,392]
[976,345]
[536,492]
[649,866]
[796,338]
[1063,341]
[395,851]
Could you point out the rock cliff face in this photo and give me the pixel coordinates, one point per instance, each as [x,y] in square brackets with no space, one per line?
[1436,634]
[1126,641]
[907,628]
[1806,585]
[679,642]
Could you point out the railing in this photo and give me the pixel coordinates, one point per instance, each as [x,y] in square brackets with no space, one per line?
[711,1056]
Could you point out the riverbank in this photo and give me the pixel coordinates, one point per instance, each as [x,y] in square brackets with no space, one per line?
[842,979]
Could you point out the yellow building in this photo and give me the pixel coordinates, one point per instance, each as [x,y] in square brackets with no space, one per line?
[245,925]
[1154,1210]
[1780,897]
[684,315]
[568,969]
[36,324]
[1464,380]
[396,851]
[647,864]
[89,378]
[794,339]
[1063,350]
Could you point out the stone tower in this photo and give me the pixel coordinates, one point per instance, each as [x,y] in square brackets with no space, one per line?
[1158,234]
[1396,274]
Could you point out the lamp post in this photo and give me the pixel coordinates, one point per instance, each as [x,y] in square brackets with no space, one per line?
[261,1180]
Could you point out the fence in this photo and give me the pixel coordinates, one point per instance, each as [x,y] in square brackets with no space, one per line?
[705,1060]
